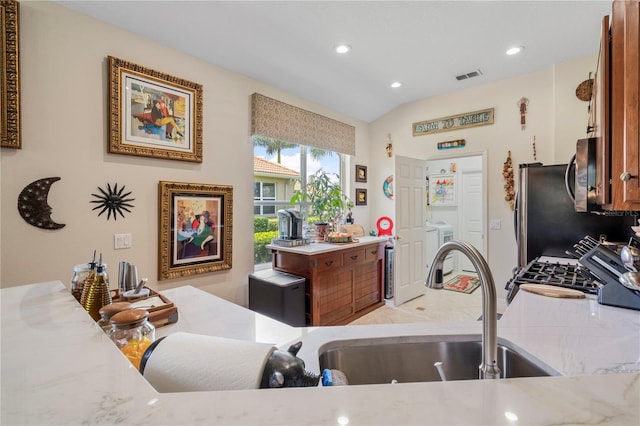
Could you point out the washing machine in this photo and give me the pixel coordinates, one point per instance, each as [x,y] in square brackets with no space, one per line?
[444,233]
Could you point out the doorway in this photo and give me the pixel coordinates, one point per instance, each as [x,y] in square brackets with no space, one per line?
[468,211]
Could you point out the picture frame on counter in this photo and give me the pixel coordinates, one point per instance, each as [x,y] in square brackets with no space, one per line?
[361,173]
[196,228]
[153,114]
[361,197]
[10,75]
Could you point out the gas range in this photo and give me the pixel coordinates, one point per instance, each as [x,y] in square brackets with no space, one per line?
[556,271]
[597,272]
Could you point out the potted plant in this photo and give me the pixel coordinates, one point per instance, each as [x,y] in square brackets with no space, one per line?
[326,200]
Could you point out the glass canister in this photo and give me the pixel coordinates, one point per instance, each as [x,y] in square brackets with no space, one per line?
[107,311]
[132,332]
[78,280]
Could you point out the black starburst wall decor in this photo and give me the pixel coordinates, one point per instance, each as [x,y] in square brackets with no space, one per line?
[113,201]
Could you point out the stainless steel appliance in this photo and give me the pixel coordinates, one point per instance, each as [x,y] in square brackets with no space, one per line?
[290,224]
[585,176]
[597,272]
[388,272]
[546,222]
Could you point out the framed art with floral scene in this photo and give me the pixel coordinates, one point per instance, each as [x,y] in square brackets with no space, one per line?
[152,114]
[195,233]
[9,75]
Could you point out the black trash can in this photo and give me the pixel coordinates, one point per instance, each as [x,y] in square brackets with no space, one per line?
[279,296]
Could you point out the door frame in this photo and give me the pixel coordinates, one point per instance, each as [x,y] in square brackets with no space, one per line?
[485,195]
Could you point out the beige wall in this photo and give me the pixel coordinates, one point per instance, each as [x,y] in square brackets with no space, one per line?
[64,133]
[64,130]
[555,117]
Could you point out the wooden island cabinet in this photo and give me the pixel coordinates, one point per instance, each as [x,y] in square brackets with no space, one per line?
[342,281]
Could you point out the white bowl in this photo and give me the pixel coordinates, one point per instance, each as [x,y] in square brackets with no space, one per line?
[129,294]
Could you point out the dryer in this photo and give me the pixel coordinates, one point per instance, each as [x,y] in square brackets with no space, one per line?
[445,233]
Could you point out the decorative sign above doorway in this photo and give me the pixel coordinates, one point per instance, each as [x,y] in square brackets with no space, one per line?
[454,122]
[460,143]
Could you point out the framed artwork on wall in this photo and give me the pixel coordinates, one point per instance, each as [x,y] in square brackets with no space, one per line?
[10,75]
[195,235]
[152,114]
[361,197]
[442,189]
[361,173]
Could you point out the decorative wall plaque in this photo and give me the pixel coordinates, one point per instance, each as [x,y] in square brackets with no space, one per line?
[454,122]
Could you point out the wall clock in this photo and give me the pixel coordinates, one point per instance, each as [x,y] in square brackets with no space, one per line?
[385,226]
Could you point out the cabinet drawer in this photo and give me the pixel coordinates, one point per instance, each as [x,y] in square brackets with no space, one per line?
[329,262]
[352,257]
[373,252]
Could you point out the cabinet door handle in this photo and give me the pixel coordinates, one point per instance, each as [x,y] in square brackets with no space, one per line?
[328,262]
[626,176]
[374,251]
[354,257]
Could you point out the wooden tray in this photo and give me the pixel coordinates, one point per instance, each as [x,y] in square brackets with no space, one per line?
[161,312]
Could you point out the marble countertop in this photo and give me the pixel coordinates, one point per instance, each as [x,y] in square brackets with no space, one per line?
[58,367]
[319,248]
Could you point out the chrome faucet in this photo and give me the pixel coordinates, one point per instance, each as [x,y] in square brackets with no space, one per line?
[488,368]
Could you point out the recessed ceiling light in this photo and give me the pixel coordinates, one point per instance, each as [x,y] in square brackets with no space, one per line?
[514,50]
[343,48]
[396,84]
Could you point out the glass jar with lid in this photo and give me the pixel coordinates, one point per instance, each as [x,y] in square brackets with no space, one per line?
[107,311]
[81,273]
[132,332]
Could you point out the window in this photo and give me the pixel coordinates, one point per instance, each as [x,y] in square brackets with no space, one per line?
[264,191]
[280,168]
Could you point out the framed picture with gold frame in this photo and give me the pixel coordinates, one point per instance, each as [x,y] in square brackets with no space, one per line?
[195,235]
[10,75]
[153,114]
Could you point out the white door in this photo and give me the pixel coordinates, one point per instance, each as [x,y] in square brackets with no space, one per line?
[410,243]
[471,212]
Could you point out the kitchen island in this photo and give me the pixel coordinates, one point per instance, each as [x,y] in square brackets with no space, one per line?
[58,367]
[343,281]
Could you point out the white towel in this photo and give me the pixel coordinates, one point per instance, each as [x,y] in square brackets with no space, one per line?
[186,362]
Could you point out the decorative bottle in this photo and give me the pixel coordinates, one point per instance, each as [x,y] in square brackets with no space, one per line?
[96,294]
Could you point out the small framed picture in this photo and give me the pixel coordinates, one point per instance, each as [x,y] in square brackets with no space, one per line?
[195,229]
[152,114]
[361,197]
[361,173]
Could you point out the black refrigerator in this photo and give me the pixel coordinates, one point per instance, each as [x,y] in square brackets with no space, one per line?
[546,222]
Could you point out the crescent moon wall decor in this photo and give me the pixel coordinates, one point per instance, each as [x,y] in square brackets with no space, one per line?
[112,201]
[33,206]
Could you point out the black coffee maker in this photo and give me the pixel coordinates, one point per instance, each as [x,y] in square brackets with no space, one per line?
[290,224]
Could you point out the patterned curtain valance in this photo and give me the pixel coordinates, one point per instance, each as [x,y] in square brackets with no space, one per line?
[274,119]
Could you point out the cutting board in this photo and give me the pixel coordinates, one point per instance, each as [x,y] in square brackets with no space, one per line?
[552,291]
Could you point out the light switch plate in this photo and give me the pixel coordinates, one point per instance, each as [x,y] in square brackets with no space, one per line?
[495,224]
[122,241]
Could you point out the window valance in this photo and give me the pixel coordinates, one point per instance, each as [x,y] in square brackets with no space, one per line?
[274,119]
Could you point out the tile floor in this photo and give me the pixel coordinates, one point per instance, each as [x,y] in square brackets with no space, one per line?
[434,305]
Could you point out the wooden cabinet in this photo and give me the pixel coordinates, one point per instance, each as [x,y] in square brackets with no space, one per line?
[624,132]
[341,285]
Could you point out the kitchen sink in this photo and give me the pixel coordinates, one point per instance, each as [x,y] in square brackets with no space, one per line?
[412,359]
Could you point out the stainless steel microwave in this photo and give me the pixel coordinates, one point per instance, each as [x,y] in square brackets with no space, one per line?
[585,188]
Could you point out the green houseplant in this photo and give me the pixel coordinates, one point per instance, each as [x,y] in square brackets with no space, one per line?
[325,197]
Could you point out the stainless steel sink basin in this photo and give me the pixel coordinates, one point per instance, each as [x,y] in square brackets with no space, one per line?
[411,359]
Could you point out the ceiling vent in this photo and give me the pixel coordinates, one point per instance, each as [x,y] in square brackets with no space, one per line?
[475,73]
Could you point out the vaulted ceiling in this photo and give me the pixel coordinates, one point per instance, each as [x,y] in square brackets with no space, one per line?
[423,44]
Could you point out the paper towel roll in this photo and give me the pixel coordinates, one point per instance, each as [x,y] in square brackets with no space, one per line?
[186,362]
